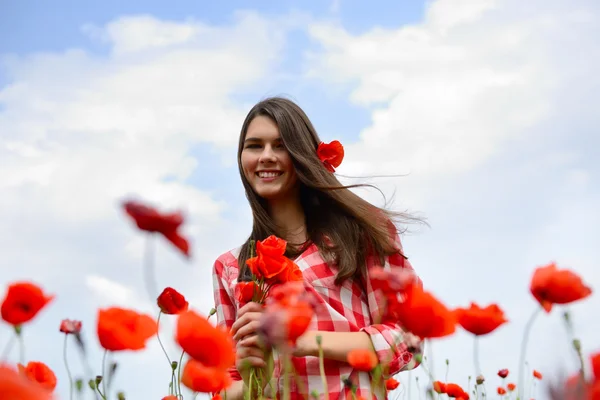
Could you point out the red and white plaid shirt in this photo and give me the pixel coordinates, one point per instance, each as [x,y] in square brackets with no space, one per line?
[345,308]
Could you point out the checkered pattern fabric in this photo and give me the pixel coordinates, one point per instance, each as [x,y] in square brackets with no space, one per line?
[345,308]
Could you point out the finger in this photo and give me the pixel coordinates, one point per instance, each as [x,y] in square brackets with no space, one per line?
[244,320]
[250,362]
[252,341]
[244,352]
[250,307]
[249,329]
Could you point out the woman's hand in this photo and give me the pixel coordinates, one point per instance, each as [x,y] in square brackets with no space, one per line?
[250,352]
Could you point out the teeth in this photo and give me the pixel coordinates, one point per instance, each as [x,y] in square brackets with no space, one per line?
[268,174]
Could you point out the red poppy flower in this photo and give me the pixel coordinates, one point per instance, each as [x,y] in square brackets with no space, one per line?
[480,321]
[391,384]
[150,220]
[439,387]
[454,390]
[271,264]
[171,301]
[68,326]
[501,391]
[23,301]
[537,374]
[170,397]
[392,281]
[39,373]
[245,291]
[16,386]
[362,360]
[549,286]
[122,329]
[331,154]
[423,315]
[210,345]
[511,387]
[288,314]
[200,378]
[503,373]
[595,361]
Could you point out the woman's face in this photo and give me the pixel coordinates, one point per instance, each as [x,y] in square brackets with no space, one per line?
[265,161]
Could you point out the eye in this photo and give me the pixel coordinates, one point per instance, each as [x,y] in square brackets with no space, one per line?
[252,146]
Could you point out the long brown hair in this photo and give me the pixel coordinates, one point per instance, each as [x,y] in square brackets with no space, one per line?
[353,226]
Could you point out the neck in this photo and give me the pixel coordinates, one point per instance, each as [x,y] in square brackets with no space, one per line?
[289,217]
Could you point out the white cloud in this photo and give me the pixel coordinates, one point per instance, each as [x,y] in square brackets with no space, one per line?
[483,106]
[450,92]
[81,132]
[489,105]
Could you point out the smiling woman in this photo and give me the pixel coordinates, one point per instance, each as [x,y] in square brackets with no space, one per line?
[266,164]
[336,238]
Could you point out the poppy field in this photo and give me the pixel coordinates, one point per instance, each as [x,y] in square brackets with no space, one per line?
[208,351]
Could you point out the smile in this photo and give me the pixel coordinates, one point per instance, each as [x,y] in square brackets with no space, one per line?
[269,174]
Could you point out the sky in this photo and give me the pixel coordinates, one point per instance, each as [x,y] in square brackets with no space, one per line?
[483,110]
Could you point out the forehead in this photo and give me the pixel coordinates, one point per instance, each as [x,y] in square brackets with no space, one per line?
[262,128]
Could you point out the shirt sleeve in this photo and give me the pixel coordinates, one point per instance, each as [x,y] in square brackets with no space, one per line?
[226,311]
[395,347]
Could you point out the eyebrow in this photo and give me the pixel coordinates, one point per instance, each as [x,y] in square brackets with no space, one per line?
[254,139]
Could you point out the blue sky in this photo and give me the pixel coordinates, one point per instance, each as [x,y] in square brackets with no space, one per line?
[478,104]
[41,26]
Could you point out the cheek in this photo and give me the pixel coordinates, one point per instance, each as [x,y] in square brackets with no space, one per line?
[248,163]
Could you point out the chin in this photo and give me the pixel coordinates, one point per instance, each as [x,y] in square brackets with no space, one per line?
[271,194]
[268,194]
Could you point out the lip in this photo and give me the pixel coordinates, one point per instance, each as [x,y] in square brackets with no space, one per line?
[271,178]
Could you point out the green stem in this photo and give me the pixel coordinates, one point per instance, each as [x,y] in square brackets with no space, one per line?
[67,367]
[286,376]
[476,356]
[524,350]
[8,347]
[322,368]
[88,370]
[251,382]
[179,375]
[103,373]
[163,349]
[21,348]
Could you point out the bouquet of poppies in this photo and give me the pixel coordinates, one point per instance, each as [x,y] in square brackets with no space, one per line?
[269,267]
[277,284]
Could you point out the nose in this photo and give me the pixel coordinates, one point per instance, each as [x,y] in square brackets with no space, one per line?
[267,155]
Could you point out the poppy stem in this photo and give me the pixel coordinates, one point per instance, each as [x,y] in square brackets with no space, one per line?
[576,343]
[524,350]
[179,373]
[21,347]
[103,374]
[322,367]
[164,351]
[7,348]
[67,367]
[476,356]
[149,269]
[286,375]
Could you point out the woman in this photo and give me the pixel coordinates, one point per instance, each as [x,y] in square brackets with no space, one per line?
[333,235]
